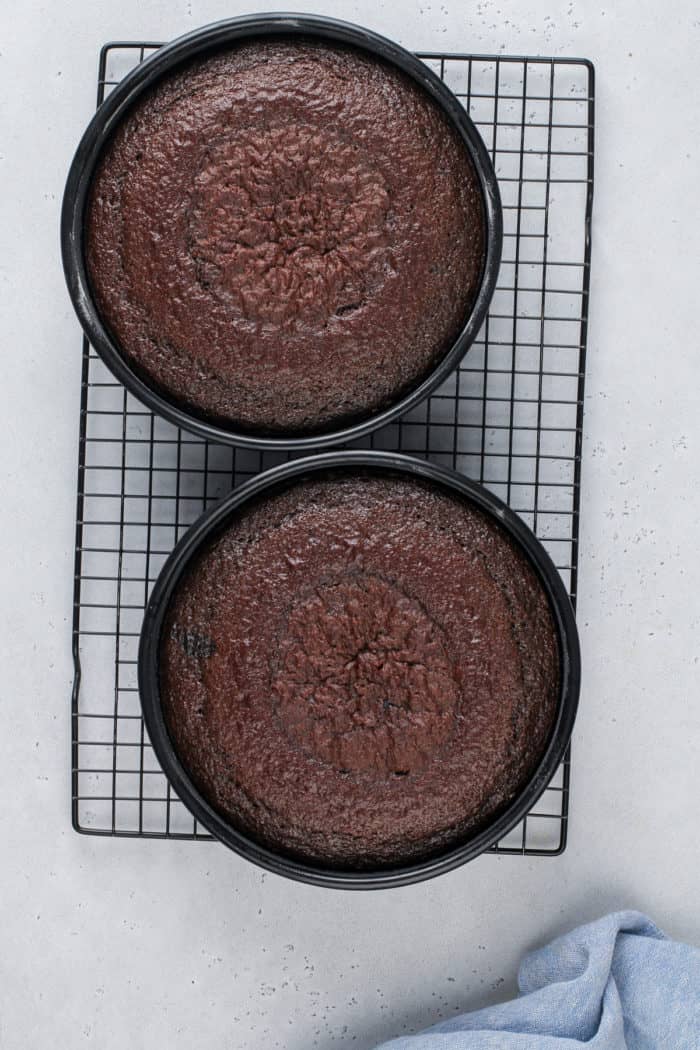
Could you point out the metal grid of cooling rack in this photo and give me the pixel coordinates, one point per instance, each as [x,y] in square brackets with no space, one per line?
[511,417]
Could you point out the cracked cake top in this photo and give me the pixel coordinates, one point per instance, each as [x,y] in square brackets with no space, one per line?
[360,670]
[285,236]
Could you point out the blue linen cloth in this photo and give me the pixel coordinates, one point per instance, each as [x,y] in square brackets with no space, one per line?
[615,984]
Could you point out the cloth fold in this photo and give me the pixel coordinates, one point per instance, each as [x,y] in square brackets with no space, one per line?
[615,984]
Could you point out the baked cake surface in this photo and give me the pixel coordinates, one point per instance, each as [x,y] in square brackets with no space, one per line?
[360,670]
[285,236]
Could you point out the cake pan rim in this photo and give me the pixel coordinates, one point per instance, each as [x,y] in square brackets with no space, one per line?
[203,530]
[113,110]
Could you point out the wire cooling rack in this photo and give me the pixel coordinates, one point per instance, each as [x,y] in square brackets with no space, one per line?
[510,417]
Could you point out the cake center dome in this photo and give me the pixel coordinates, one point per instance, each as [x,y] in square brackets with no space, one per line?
[289,224]
[363,680]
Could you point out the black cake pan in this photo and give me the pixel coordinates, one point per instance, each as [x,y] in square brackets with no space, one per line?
[140,80]
[216,519]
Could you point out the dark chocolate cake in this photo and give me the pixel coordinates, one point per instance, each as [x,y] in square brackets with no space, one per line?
[285,236]
[360,671]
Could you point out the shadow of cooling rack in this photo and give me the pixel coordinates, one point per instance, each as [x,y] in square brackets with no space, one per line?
[510,417]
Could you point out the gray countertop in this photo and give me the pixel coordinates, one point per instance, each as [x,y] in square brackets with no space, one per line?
[159,944]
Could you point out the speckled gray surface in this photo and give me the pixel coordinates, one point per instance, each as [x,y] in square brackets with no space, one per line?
[114,943]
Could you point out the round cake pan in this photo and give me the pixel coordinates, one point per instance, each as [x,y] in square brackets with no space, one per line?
[140,80]
[216,519]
